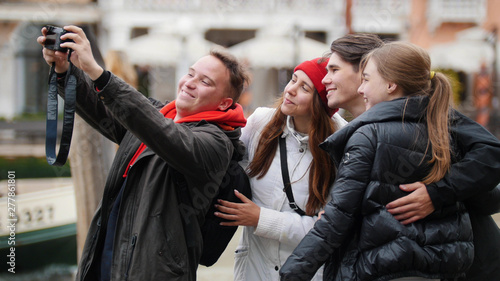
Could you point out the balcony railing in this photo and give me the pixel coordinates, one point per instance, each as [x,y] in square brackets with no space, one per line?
[243,6]
[464,11]
[53,2]
[379,16]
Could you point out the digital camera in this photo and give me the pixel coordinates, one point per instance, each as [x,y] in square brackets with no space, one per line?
[53,38]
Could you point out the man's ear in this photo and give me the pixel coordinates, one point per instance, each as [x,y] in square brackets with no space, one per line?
[225,104]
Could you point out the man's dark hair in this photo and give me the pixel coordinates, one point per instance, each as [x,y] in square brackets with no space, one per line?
[352,47]
[238,75]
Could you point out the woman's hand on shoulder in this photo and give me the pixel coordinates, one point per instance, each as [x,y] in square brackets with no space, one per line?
[246,213]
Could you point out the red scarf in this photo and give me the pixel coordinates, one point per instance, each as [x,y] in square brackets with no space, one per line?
[227,120]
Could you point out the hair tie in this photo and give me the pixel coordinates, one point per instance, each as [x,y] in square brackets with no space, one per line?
[432,74]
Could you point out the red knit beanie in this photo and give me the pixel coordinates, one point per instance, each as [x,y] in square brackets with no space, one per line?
[315,69]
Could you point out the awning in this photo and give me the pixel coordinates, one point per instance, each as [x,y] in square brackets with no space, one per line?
[168,45]
[278,49]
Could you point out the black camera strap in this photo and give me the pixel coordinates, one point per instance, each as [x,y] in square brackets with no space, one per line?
[286,178]
[52,112]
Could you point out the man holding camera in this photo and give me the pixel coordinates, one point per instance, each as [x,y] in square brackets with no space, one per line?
[137,232]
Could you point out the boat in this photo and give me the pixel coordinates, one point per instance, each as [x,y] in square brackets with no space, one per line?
[37,223]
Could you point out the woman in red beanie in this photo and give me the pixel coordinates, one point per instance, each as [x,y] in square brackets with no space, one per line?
[285,201]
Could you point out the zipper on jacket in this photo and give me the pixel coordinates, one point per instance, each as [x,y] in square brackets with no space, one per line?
[132,244]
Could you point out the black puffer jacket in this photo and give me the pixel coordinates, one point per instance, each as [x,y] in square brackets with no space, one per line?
[150,242]
[356,237]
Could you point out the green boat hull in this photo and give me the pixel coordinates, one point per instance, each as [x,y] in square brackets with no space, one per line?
[37,249]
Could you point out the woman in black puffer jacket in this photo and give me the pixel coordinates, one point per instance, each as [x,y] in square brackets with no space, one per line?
[402,138]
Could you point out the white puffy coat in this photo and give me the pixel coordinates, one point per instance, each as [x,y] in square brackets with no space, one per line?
[262,250]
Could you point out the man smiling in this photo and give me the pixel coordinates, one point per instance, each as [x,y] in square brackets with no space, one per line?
[137,232]
[211,91]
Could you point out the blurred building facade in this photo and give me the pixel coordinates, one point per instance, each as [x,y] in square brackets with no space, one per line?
[461,36]
[163,37]
[24,76]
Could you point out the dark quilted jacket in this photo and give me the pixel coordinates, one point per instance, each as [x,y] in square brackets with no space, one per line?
[356,237]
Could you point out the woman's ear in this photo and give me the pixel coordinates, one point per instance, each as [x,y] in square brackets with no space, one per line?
[391,87]
[225,104]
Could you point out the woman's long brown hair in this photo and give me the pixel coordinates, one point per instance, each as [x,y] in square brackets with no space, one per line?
[322,171]
[409,67]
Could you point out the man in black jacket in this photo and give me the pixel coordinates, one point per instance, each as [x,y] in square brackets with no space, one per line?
[472,180]
[137,232]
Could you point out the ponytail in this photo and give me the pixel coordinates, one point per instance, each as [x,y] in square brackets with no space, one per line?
[437,126]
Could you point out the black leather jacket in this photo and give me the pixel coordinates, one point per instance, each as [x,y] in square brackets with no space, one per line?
[150,242]
[356,237]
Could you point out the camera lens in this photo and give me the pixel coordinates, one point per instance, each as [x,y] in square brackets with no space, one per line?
[53,38]
[50,40]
